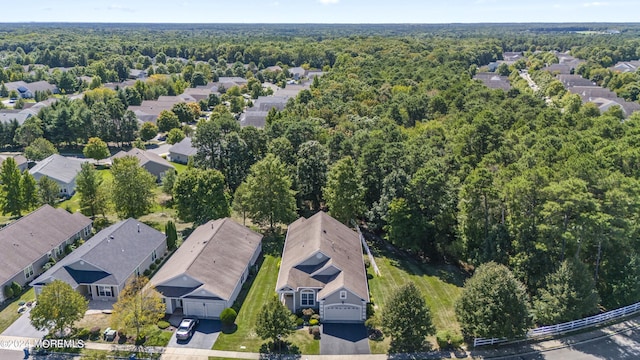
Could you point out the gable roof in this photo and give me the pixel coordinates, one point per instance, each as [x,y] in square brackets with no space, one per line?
[184,147]
[324,234]
[58,167]
[493,80]
[20,160]
[32,236]
[144,157]
[215,254]
[115,253]
[7,115]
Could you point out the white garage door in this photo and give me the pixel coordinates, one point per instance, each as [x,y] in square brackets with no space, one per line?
[340,312]
[210,309]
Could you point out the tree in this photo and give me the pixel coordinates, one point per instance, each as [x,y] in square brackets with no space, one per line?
[172,234]
[132,192]
[93,196]
[10,184]
[59,307]
[138,306]
[270,199]
[49,191]
[311,172]
[241,201]
[274,321]
[29,131]
[200,195]
[29,189]
[148,131]
[40,149]
[407,319]
[344,192]
[570,294]
[183,112]
[96,149]
[175,136]
[167,120]
[493,304]
[168,180]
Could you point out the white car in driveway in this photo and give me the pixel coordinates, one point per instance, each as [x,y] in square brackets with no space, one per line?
[186,328]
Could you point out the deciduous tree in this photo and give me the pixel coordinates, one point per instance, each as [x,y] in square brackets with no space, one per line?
[96,149]
[59,307]
[49,191]
[407,319]
[274,321]
[40,149]
[200,195]
[138,306]
[92,192]
[11,191]
[132,192]
[29,189]
[344,192]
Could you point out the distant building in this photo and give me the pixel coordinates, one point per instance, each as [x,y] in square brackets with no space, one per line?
[63,170]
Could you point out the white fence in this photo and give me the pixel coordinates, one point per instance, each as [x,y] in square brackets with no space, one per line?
[568,326]
[372,261]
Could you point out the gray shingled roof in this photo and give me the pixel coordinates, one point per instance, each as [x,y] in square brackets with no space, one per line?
[115,252]
[322,233]
[57,167]
[215,254]
[184,147]
[144,157]
[7,115]
[31,237]
[493,80]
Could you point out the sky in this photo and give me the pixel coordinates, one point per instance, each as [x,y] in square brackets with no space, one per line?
[323,11]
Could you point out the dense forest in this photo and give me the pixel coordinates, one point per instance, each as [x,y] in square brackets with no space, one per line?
[441,166]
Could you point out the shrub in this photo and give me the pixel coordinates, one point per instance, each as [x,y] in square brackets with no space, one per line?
[122,334]
[228,316]
[83,334]
[94,333]
[68,249]
[163,324]
[299,321]
[158,260]
[448,340]
[8,291]
[314,322]
[315,316]
[315,331]
[373,322]
[152,266]
[146,272]
[17,288]
[308,312]
[367,262]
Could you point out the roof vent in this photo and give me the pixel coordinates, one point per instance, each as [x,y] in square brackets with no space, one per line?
[138,227]
[110,236]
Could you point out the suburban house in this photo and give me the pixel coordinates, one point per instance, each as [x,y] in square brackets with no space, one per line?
[205,275]
[21,161]
[101,267]
[63,170]
[28,90]
[493,80]
[323,268]
[27,244]
[182,151]
[151,162]
[9,115]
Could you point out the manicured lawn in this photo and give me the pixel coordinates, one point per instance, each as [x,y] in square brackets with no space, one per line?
[262,290]
[440,284]
[305,342]
[179,167]
[92,320]
[73,204]
[10,313]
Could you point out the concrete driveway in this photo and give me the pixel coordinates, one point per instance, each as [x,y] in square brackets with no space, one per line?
[204,337]
[344,339]
[23,328]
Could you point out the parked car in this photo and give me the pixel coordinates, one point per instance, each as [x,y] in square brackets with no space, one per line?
[186,328]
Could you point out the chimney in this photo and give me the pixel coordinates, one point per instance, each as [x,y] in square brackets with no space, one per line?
[138,227]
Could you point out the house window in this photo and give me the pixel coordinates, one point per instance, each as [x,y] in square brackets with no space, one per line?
[28,271]
[105,291]
[343,295]
[154,256]
[307,298]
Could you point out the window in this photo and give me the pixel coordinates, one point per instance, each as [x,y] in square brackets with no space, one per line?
[28,271]
[307,298]
[343,294]
[154,256]
[105,291]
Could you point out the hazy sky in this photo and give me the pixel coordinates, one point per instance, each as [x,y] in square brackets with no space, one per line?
[322,11]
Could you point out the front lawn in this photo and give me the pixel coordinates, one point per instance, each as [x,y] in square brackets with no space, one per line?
[10,313]
[440,284]
[305,342]
[245,338]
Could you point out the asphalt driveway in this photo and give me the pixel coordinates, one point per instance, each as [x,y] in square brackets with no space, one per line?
[204,337]
[344,339]
[23,328]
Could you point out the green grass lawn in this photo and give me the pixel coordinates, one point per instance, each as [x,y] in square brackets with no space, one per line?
[10,313]
[179,167]
[262,290]
[440,284]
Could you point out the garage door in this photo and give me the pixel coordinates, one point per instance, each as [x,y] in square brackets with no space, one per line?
[340,312]
[210,309]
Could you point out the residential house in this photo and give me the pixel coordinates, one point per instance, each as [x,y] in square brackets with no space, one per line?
[205,275]
[151,162]
[28,243]
[28,90]
[21,161]
[8,115]
[101,267]
[137,74]
[569,80]
[493,80]
[626,66]
[149,110]
[63,170]
[322,268]
[182,151]
[297,73]
[253,118]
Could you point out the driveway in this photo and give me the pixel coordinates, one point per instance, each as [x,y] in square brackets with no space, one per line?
[23,328]
[204,337]
[344,339]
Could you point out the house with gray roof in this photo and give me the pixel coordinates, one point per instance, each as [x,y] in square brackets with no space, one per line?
[254,118]
[626,66]
[63,170]
[205,275]
[101,267]
[322,268]
[28,243]
[569,80]
[493,80]
[297,73]
[151,162]
[21,161]
[8,115]
[28,90]
[181,152]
